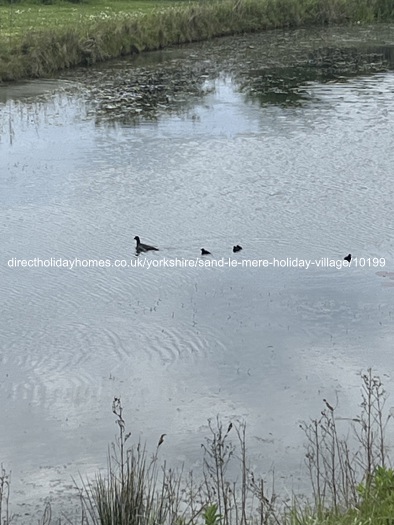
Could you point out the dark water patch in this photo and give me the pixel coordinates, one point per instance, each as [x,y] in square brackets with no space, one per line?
[33,89]
[360,60]
[288,86]
[141,93]
[268,67]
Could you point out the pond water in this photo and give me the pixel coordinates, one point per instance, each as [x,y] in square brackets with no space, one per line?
[280,142]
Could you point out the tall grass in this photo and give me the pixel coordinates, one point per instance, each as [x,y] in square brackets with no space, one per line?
[352,482]
[5,516]
[36,53]
[344,469]
[350,477]
[138,489]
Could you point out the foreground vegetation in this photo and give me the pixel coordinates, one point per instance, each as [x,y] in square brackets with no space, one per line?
[352,482]
[37,40]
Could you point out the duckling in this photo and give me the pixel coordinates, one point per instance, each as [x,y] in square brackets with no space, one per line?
[205,252]
[237,248]
[348,258]
[143,247]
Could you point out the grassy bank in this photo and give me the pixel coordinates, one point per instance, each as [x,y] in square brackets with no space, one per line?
[352,482]
[38,40]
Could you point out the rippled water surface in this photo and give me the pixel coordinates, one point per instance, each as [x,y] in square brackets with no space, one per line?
[281,142]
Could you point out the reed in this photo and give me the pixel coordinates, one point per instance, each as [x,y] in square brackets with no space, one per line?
[5,516]
[351,478]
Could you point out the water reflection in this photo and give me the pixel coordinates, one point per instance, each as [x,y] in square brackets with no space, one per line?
[254,148]
[288,86]
[267,68]
[175,89]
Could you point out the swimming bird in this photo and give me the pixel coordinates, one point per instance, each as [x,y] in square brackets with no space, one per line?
[348,258]
[143,247]
[237,248]
[205,252]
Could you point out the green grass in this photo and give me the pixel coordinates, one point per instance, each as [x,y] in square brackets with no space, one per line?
[37,40]
[19,19]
